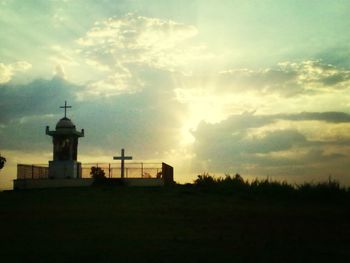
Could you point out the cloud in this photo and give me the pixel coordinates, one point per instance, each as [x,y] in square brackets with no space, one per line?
[247,120]
[62,55]
[35,98]
[120,82]
[60,72]
[273,141]
[122,47]
[8,71]
[146,123]
[338,55]
[288,78]
[246,142]
[289,87]
[334,117]
[138,39]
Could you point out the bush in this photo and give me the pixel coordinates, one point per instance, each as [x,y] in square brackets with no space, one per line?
[97,173]
[205,180]
[2,162]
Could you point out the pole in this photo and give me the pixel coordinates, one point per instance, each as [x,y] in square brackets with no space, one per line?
[122,165]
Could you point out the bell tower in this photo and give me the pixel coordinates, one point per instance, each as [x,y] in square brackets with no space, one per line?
[65,148]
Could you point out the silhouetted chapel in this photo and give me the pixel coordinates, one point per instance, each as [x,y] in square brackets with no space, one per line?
[64,170]
[65,148]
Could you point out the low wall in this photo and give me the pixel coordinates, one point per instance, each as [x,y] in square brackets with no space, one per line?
[50,183]
[84,182]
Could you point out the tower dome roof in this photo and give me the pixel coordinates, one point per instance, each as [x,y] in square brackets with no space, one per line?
[65,123]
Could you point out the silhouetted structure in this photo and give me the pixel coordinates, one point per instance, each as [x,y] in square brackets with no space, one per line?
[65,166]
[167,174]
[65,148]
[135,173]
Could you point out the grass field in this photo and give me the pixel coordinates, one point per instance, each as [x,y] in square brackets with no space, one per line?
[177,224]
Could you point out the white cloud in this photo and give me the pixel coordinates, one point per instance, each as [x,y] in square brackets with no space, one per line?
[121,47]
[62,55]
[288,78]
[120,82]
[5,73]
[287,87]
[60,72]
[8,71]
[148,38]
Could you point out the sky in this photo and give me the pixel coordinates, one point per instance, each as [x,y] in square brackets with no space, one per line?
[259,88]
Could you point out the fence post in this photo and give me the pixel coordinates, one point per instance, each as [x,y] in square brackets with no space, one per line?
[109,170]
[32,171]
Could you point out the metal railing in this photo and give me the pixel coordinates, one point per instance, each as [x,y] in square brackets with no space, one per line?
[111,170]
[131,170]
[37,171]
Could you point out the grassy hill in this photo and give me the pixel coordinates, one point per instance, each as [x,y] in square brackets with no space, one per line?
[176,224]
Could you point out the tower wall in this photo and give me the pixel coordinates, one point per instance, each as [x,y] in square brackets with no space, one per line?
[64,169]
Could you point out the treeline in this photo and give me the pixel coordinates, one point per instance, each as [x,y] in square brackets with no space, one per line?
[235,184]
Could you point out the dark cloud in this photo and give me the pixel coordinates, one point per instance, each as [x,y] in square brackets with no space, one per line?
[242,122]
[27,136]
[39,97]
[138,121]
[216,145]
[334,117]
[145,122]
[273,142]
[230,143]
[338,56]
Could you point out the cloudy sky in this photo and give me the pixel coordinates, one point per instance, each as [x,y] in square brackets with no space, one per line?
[255,87]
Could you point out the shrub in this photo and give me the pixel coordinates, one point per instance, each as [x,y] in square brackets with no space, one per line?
[2,162]
[205,180]
[97,173]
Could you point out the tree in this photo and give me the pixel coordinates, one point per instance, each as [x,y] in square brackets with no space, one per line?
[97,173]
[2,162]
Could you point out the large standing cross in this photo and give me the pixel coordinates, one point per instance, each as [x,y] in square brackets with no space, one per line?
[65,108]
[122,157]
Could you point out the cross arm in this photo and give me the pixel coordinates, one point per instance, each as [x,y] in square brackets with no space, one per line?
[122,158]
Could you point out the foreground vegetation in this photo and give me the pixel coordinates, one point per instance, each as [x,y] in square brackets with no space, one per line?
[213,220]
[236,185]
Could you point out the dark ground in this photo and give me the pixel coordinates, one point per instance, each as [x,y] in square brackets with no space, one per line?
[178,224]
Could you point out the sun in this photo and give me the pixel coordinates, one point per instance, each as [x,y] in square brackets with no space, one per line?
[201,106]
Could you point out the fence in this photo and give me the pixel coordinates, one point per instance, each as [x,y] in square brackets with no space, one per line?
[38,171]
[131,170]
[111,170]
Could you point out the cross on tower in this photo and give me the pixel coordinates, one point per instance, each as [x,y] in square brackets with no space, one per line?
[122,157]
[65,108]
